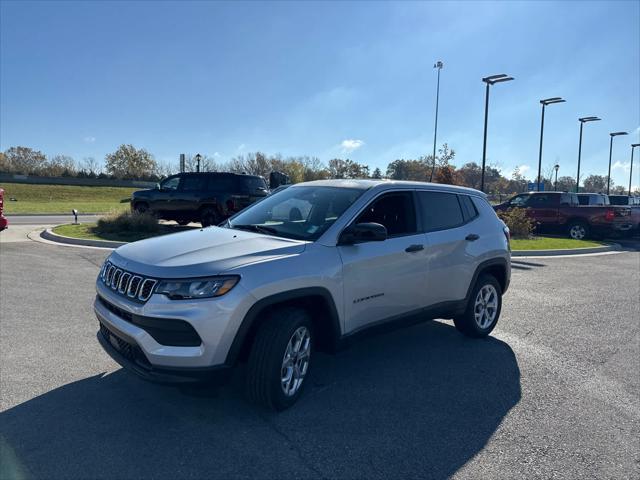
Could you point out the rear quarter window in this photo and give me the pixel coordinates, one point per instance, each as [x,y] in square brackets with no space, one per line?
[222,184]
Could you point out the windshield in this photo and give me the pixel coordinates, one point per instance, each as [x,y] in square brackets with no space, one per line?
[301,213]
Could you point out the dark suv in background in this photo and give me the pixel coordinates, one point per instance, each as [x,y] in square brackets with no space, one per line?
[208,198]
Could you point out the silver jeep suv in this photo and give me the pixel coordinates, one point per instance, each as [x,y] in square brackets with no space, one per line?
[306,269]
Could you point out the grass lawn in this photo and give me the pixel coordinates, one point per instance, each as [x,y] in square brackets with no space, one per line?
[64,198]
[551,243]
[87,230]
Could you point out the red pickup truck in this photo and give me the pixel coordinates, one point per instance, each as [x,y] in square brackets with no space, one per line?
[4,223]
[561,212]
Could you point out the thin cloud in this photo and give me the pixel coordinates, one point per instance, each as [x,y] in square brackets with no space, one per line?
[621,165]
[89,139]
[524,169]
[241,147]
[351,145]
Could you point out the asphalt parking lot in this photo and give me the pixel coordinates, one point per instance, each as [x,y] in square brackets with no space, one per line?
[554,393]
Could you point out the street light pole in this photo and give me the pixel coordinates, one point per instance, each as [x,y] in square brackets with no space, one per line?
[556,167]
[198,157]
[489,81]
[439,66]
[582,122]
[613,134]
[633,146]
[545,102]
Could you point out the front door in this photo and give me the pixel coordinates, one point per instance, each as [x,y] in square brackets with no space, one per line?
[163,198]
[385,279]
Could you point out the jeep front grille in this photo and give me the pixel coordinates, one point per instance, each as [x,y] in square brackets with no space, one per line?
[126,283]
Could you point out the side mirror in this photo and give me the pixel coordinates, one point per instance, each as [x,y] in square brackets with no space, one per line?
[363,232]
[158,186]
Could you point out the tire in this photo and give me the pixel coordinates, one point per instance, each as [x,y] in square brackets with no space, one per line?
[280,332]
[467,323]
[208,217]
[578,230]
[142,208]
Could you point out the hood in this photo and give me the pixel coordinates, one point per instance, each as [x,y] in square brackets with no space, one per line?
[202,252]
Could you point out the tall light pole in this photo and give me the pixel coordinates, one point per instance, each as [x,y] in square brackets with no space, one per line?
[439,66]
[489,81]
[198,157]
[633,146]
[582,120]
[556,167]
[612,134]
[545,102]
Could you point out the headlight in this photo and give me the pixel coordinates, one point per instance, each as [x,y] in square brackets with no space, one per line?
[196,287]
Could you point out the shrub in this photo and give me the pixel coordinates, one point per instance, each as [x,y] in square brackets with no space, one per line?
[127,222]
[520,225]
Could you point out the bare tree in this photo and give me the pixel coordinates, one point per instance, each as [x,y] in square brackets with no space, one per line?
[91,165]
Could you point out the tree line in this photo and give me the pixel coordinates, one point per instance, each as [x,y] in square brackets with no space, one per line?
[129,162]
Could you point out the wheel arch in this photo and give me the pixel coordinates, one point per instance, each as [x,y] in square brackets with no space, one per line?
[317,301]
[497,267]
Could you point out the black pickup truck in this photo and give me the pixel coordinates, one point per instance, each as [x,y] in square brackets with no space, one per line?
[205,197]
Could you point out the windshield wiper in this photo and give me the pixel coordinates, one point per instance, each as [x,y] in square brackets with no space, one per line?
[256,228]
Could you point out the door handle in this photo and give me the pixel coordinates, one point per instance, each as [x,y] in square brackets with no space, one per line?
[472,237]
[414,248]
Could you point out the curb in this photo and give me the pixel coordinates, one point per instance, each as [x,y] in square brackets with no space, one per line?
[566,251]
[48,234]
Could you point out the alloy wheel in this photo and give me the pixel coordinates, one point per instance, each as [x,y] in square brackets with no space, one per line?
[295,362]
[486,306]
[577,232]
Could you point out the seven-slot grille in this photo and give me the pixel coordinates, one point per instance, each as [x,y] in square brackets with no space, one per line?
[126,283]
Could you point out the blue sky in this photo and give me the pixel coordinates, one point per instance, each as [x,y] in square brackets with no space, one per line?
[327,79]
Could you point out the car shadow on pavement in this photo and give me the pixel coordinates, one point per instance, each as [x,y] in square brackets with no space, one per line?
[417,402]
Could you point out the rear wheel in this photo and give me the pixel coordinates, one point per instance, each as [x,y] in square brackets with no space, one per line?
[208,217]
[483,309]
[578,230]
[280,359]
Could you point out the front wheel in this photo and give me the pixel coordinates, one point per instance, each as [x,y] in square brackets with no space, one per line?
[141,208]
[578,230]
[280,359]
[208,217]
[483,309]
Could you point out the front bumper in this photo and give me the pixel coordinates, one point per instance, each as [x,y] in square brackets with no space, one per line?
[129,356]
[216,322]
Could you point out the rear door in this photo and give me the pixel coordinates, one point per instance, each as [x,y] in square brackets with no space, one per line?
[385,279]
[452,234]
[544,209]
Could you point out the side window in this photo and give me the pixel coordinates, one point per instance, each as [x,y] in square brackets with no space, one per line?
[170,183]
[222,183]
[518,201]
[469,210]
[540,201]
[440,210]
[252,184]
[565,199]
[395,211]
[193,183]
